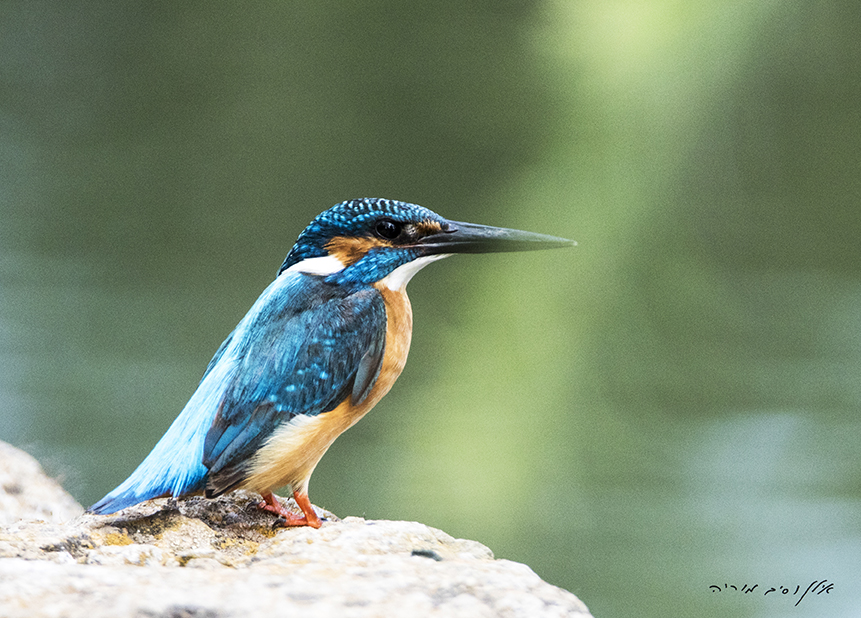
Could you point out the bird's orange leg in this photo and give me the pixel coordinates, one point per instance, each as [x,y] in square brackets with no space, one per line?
[270,503]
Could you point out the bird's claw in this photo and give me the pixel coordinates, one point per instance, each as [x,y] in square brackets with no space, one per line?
[270,503]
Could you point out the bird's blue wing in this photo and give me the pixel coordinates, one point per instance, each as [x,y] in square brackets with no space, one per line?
[268,370]
[302,358]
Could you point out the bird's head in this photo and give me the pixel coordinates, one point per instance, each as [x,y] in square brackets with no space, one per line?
[369,240]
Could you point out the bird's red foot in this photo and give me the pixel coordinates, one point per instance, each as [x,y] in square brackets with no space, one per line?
[270,503]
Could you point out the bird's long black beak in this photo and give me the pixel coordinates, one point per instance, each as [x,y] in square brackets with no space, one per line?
[459,237]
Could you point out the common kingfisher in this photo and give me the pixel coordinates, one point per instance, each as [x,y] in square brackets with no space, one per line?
[320,347]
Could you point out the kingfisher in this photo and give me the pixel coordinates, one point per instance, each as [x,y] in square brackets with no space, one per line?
[317,350]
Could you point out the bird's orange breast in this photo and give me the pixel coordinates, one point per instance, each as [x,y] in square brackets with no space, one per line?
[291,454]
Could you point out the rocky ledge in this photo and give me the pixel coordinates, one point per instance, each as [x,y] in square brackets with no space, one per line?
[199,558]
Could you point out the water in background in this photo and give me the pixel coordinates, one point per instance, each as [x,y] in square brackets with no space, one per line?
[671,405]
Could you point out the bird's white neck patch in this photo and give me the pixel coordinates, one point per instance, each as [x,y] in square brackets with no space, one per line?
[326,265]
[399,277]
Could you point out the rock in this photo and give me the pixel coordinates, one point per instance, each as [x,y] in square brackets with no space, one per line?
[27,492]
[211,558]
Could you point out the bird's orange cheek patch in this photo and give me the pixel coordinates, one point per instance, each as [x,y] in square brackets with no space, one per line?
[350,250]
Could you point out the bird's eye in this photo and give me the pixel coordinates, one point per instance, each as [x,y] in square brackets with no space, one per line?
[388,229]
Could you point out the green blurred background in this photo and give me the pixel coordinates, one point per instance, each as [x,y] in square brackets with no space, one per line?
[670,405]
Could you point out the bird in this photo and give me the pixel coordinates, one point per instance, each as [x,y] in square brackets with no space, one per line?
[323,343]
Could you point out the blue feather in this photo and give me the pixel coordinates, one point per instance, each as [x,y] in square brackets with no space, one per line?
[303,361]
[175,466]
[297,351]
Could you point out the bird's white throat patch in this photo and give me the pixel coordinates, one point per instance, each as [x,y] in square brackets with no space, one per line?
[399,277]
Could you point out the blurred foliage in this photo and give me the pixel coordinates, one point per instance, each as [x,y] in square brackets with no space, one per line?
[669,405]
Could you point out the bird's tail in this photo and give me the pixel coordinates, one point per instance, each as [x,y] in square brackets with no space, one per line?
[175,466]
[148,482]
